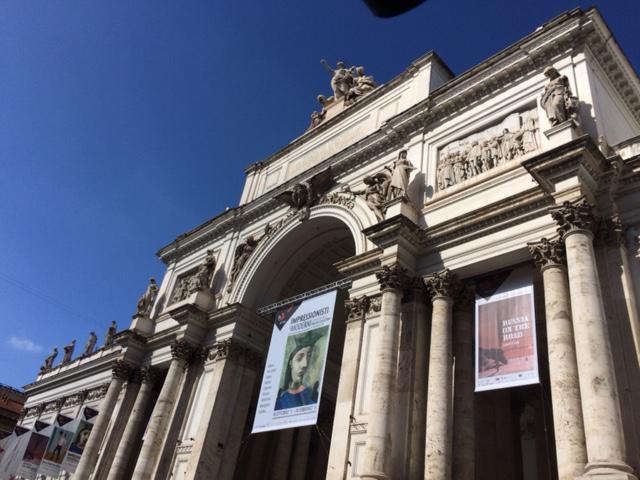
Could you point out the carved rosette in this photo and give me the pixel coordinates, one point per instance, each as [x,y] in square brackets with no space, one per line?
[392,277]
[121,370]
[574,217]
[237,352]
[182,350]
[441,284]
[612,232]
[357,308]
[547,253]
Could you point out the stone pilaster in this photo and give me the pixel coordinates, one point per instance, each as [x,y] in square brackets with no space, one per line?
[598,389]
[463,412]
[571,453]
[438,449]
[119,470]
[120,373]
[377,458]
[181,353]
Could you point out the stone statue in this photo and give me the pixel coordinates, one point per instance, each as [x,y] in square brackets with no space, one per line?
[375,192]
[558,102]
[91,344]
[305,195]
[145,303]
[68,352]
[318,117]
[48,362]
[201,280]
[110,335]
[342,80]
[241,255]
[401,170]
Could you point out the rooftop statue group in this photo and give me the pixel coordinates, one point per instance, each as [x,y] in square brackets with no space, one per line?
[348,84]
[200,280]
[89,348]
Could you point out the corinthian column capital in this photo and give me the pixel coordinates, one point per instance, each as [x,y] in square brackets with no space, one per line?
[357,308]
[441,284]
[547,253]
[182,350]
[392,277]
[571,217]
[121,370]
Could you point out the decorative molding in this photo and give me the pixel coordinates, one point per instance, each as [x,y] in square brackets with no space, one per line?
[357,308]
[547,253]
[573,217]
[121,370]
[98,392]
[182,350]
[441,284]
[233,350]
[392,277]
[149,374]
[75,399]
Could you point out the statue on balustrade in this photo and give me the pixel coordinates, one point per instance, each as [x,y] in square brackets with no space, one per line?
[109,338]
[48,362]
[91,344]
[146,301]
[68,352]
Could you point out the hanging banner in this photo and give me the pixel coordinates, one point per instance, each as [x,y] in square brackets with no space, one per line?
[15,449]
[506,350]
[39,436]
[57,446]
[292,381]
[5,439]
[81,428]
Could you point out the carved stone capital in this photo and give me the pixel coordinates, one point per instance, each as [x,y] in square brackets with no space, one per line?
[235,351]
[612,232]
[149,374]
[441,284]
[392,277]
[572,217]
[182,350]
[547,253]
[121,370]
[357,308]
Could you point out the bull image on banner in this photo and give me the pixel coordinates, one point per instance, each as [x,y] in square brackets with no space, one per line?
[292,381]
[506,350]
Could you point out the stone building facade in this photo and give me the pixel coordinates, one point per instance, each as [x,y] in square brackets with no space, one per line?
[11,403]
[413,193]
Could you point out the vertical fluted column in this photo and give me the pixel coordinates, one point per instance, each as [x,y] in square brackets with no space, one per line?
[463,414]
[181,352]
[120,466]
[377,458]
[438,450]
[120,372]
[598,390]
[571,450]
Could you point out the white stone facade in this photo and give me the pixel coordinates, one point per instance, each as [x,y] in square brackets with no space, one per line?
[398,400]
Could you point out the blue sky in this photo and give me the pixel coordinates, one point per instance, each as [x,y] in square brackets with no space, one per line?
[124,124]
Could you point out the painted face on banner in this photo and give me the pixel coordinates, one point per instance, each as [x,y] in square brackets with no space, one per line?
[300,363]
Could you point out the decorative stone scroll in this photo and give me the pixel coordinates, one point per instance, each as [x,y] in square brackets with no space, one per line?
[547,253]
[573,216]
[198,279]
[441,284]
[516,135]
[392,277]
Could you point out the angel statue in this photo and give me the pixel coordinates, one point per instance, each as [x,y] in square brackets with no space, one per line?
[305,195]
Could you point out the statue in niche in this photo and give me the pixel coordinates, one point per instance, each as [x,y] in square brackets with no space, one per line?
[110,335]
[241,255]
[202,278]
[68,352]
[91,344]
[400,173]
[145,303]
[558,102]
[48,362]
[342,80]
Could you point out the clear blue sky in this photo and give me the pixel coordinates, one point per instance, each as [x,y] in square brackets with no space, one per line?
[124,124]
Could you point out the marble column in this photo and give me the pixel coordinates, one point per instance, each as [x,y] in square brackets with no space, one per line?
[181,352]
[120,373]
[438,449]
[124,454]
[600,404]
[571,453]
[464,385]
[376,463]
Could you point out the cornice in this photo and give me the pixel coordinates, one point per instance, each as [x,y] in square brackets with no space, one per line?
[361,265]
[570,31]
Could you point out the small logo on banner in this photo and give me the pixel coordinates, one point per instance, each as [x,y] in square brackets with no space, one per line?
[283,316]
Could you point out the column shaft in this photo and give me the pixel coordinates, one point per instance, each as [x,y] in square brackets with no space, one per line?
[600,406]
[377,459]
[159,421]
[419,401]
[438,449]
[282,456]
[563,372]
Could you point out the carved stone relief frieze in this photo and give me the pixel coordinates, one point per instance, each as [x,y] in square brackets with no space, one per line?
[516,135]
[196,279]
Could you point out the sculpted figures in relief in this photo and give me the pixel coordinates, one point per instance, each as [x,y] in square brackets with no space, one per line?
[68,352]
[110,335]
[478,153]
[558,102]
[305,195]
[146,301]
[240,257]
[197,281]
[48,362]
[91,344]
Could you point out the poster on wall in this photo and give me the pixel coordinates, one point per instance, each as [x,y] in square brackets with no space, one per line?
[57,446]
[33,454]
[506,350]
[15,449]
[81,428]
[293,375]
